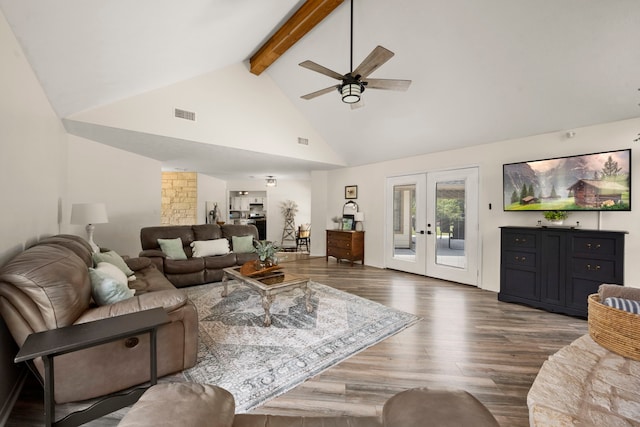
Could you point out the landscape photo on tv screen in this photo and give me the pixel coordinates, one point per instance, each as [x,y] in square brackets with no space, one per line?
[589,182]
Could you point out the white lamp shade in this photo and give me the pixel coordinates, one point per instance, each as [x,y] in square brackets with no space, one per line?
[359,216]
[89,213]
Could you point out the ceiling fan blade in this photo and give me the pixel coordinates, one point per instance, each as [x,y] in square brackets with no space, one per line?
[376,58]
[320,69]
[319,92]
[388,84]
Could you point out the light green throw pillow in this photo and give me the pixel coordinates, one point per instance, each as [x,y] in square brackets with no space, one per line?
[242,244]
[112,257]
[172,248]
[106,290]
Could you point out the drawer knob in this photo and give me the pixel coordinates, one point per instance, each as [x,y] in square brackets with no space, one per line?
[523,259]
[590,246]
[523,240]
[593,268]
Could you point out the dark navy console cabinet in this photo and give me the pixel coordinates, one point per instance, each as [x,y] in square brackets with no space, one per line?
[556,269]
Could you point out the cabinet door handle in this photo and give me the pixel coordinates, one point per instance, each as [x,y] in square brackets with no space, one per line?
[594,268]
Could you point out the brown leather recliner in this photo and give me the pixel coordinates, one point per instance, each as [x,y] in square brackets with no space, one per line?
[195,271]
[47,286]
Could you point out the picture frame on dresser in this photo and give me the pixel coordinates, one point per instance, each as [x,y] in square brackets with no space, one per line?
[347,223]
[351,192]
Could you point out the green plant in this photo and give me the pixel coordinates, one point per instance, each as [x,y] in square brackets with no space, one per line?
[556,215]
[266,249]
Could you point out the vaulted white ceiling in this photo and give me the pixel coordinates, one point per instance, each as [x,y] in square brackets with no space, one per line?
[482,70]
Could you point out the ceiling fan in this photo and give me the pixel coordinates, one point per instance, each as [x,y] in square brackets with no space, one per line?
[354,82]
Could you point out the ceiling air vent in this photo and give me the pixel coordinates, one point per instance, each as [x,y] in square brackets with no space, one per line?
[303,141]
[184,114]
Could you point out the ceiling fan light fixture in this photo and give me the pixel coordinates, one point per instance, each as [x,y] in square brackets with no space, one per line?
[351,92]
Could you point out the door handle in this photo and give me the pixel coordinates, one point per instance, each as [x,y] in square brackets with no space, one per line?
[428,232]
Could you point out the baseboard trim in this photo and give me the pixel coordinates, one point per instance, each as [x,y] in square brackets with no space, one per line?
[7,406]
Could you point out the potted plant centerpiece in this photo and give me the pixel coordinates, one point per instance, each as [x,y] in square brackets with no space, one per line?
[266,253]
[556,217]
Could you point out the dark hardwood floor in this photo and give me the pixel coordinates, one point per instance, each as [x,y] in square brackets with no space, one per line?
[466,339]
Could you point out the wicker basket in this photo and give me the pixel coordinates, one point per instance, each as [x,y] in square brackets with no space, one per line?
[615,330]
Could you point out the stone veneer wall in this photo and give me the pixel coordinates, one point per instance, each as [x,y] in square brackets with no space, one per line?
[179,198]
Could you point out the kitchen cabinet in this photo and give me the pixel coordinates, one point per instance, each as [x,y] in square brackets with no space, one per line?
[345,244]
[556,269]
[240,203]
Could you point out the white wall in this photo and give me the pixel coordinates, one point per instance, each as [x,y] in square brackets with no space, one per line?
[224,101]
[127,183]
[32,160]
[297,190]
[320,214]
[211,189]
[489,158]
[32,168]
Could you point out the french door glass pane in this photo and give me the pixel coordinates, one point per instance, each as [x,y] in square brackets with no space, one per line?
[450,222]
[404,218]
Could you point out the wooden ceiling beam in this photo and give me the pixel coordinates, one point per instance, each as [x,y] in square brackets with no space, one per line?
[302,21]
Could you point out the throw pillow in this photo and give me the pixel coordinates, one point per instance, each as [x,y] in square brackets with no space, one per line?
[172,248]
[202,248]
[112,271]
[106,290]
[112,257]
[632,306]
[243,244]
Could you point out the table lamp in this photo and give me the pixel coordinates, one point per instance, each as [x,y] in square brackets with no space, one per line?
[89,214]
[358,218]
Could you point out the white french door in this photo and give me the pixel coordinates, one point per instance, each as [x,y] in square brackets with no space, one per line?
[432,224]
[452,225]
[405,245]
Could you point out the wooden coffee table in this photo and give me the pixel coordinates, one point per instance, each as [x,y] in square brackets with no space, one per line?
[269,286]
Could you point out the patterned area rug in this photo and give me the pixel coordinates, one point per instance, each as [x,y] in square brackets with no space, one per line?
[256,363]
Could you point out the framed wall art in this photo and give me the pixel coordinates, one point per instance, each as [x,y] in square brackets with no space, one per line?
[351,192]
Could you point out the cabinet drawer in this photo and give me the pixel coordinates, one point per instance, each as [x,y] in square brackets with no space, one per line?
[592,246]
[593,269]
[339,253]
[578,291]
[514,240]
[518,258]
[520,283]
[339,243]
[339,237]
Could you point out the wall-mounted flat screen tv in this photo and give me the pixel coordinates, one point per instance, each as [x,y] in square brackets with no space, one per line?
[587,182]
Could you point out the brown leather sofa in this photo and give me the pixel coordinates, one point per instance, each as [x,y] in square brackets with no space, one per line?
[195,271]
[48,286]
[198,405]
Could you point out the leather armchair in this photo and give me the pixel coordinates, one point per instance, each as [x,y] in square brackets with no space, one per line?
[47,286]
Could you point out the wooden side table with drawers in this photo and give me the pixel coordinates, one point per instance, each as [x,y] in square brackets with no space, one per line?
[345,244]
